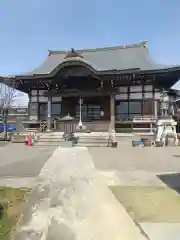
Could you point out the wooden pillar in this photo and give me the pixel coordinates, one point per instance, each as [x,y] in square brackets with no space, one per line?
[29,105]
[49,114]
[143,100]
[38,111]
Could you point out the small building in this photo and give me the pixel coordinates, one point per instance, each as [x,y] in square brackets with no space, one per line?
[108,86]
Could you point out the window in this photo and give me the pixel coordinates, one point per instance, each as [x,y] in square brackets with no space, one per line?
[55,110]
[121,110]
[148,107]
[89,112]
[127,110]
[43,110]
[135,109]
[136,89]
[122,107]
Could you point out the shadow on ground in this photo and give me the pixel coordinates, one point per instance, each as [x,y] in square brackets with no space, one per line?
[176,155]
[171,180]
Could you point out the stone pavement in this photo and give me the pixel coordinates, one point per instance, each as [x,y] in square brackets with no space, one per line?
[73,202]
[142,167]
[155,231]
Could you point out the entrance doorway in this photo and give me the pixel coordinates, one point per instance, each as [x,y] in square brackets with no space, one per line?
[93,108]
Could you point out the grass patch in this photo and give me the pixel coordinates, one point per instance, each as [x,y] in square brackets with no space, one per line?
[149,204]
[12,201]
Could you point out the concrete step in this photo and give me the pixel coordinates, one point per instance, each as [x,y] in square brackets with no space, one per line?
[91,145]
[92,140]
[49,144]
[50,137]
[46,144]
[50,140]
[124,139]
[18,139]
[56,134]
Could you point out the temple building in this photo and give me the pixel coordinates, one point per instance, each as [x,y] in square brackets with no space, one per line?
[102,87]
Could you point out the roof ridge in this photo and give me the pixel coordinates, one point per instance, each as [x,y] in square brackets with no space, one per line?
[141,44]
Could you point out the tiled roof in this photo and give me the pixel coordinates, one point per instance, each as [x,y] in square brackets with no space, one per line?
[109,58]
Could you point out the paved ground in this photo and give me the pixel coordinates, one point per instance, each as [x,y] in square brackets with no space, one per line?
[74,202]
[141,159]
[122,166]
[127,166]
[17,160]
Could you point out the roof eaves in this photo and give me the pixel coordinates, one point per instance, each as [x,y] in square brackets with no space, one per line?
[161,70]
[120,71]
[141,44]
[50,52]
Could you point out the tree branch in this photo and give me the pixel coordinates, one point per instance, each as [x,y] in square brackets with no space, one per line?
[8,94]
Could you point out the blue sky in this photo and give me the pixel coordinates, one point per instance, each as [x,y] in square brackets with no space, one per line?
[29,28]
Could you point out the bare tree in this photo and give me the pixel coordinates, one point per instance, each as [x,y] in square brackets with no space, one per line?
[8,95]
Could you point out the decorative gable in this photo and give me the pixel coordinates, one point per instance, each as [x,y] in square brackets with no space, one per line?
[72,54]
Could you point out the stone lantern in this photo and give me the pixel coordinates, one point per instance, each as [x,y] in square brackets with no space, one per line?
[164,104]
[165,125]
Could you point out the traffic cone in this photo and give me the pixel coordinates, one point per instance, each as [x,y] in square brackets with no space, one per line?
[29,140]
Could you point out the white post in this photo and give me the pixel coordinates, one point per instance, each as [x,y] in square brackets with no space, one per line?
[151,128]
[155,109]
[80,113]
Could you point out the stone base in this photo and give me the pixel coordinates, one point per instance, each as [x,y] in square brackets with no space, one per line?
[81,128]
[168,117]
[159,144]
[48,130]
[114,144]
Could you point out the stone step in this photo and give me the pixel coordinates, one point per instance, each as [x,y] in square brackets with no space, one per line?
[18,139]
[48,144]
[53,143]
[124,139]
[49,137]
[103,134]
[91,145]
[51,140]
[92,140]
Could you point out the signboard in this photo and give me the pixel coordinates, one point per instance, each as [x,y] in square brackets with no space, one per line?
[21,110]
[33,118]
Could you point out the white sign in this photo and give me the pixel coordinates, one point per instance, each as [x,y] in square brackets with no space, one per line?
[33,118]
